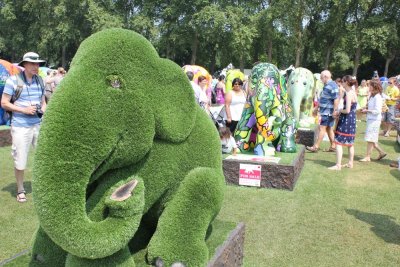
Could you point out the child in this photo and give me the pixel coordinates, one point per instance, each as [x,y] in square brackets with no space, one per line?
[227,141]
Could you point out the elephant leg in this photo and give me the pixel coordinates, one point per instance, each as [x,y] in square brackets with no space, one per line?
[45,252]
[122,258]
[288,135]
[244,129]
[263,147]
[182,227]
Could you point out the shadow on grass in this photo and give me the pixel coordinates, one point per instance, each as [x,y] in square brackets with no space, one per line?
[390,142]
[325,163]
[12,188]
[395,173]
[382,225]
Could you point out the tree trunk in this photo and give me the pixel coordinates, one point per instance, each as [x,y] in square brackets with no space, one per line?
[298,54]
[241,63]
[194,49]
[356,61]
[63,56]
[213,56]
[387,63]
[298,49]
[328,56]
[270,51]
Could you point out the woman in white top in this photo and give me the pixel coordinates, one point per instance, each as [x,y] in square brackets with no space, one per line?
[203,99]
[374,117]
[234,103]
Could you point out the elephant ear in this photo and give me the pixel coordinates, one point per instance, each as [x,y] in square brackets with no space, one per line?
[173,102]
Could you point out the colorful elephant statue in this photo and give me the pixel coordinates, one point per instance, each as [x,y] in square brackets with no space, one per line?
[267,122]
[126,161]
[301,90]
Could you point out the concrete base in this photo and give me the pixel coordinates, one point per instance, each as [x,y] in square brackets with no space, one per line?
[230,253]
[5,136]
[307,137]
[281,176]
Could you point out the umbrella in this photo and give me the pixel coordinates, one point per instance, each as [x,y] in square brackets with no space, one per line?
[6,69]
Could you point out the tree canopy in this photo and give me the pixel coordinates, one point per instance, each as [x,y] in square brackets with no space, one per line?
[345,36]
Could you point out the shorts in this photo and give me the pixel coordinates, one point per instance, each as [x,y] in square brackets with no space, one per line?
[327,120]
[22,139]
[389,115]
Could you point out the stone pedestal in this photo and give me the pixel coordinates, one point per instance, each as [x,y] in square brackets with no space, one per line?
[306,136]
[5,136]
[273,175]
[230,253]
[227,240]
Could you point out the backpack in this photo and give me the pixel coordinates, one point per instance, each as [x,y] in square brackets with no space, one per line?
[6,120]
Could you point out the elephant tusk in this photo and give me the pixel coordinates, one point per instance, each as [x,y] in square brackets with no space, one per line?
[124,191]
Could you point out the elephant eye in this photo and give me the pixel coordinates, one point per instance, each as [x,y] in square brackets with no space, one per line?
[114,81]
[292,82]
[304,83]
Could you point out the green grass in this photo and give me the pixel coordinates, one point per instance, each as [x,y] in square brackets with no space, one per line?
[346,218]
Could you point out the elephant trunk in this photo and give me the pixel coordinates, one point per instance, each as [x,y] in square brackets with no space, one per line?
[59,190]
[296,99]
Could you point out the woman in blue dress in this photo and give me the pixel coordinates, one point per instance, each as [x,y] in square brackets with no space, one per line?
[346,125]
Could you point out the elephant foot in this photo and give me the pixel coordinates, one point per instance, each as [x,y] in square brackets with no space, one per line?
[260,150]
[178,256]
[124,191]
[160,263]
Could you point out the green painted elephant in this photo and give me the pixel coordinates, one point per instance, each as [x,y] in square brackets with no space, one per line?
[301,90]
[267,122]
[126,160]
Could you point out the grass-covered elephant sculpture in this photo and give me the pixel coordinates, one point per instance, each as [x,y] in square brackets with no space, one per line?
[126,161]
[301,90]
[267,122]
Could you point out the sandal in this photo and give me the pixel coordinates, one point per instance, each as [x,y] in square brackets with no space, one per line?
[381,156]
[334,168]
[21,197]
[312,149]
[394,164]
[365,159]
[348,165]
[331,149]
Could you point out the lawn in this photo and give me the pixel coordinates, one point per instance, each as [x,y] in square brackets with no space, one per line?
[346,218]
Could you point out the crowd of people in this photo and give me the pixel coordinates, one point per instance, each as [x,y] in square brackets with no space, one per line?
[342,103]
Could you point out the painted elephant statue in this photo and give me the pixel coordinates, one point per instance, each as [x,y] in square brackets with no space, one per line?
[126,161]
[301,90]
[267,122]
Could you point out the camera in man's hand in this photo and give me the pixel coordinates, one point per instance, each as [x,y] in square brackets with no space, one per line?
[39,111]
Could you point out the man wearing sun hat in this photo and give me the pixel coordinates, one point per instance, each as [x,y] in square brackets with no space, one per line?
[23,97]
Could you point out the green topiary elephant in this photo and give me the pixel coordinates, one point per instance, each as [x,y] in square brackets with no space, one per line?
[126,160]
